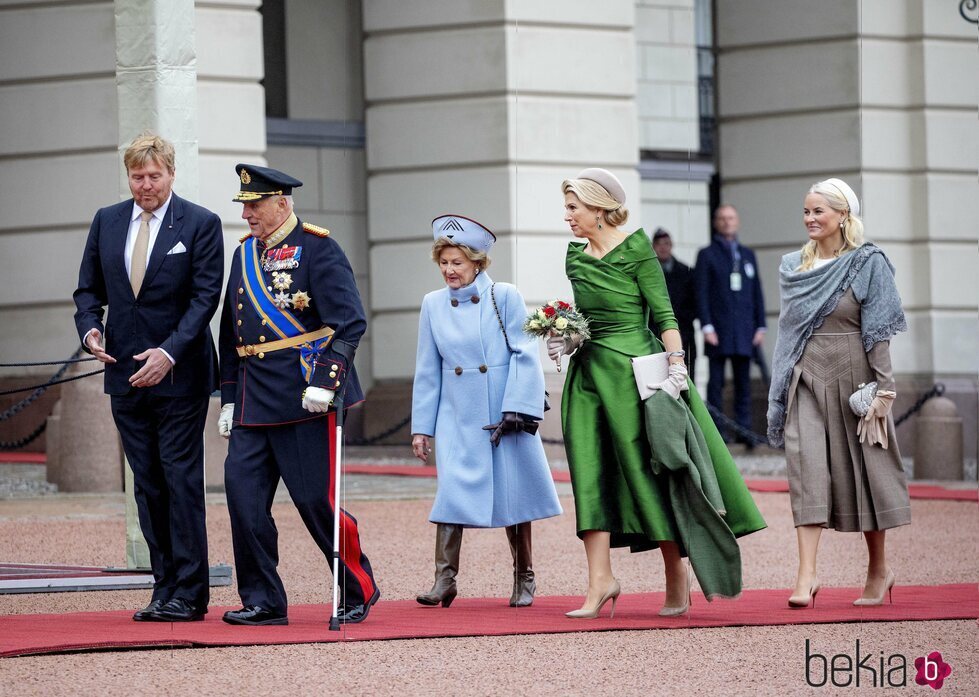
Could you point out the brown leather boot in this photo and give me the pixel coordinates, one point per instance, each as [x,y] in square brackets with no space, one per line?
[524,583]
[448,543]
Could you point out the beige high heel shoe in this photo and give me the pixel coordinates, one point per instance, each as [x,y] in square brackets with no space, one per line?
[682,609]
[797,602]
[879,600]
[611,593]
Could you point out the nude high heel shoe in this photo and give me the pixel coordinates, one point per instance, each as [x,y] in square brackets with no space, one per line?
[612,593]
[682,609]
[797,602]
[879,600]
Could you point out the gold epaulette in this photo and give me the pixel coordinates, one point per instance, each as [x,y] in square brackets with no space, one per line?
[316,230]
[242,240]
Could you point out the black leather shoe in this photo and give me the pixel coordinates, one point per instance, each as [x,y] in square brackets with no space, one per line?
[179,610]
[148,612]
[352,614]
[254,615]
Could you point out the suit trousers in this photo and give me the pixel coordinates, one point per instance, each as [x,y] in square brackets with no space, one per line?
[301,454]
[741,366]
[163,438]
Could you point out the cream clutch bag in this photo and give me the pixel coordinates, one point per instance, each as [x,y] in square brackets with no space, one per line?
[651,370]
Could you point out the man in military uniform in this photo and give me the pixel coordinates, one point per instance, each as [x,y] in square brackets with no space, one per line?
[290,326]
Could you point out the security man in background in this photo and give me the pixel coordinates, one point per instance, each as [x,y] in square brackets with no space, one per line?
[681,286]
[290,326]
[731,309]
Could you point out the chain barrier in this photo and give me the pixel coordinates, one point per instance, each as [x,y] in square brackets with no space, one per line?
[8,445]
[380,436]
[36,392]
[937,390]
[70,360]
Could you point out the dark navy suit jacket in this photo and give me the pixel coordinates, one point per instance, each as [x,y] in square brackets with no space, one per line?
[267,389]
[736,315]
[179,295]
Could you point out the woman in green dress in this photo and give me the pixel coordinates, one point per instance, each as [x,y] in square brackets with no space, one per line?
[619,500]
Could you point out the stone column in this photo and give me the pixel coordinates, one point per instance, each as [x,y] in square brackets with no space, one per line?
[483,109]
[883,95]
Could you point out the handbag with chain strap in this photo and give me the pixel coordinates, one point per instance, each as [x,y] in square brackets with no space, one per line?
[496,308]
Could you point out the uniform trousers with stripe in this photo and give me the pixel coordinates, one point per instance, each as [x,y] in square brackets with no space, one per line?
[301,454]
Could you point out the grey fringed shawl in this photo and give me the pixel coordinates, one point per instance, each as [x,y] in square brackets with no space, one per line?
[809,296]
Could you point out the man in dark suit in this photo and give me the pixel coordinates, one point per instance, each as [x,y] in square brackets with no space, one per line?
[156,261]
[681,286]
[731,309]
[290,326]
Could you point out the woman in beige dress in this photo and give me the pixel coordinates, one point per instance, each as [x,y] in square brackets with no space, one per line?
[840,308]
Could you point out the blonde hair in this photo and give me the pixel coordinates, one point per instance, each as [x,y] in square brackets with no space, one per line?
[480,259]
[149,146]
[596,197]
[852,225]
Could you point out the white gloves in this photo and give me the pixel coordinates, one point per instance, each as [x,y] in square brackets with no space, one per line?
[872,428]
[224,420]
[676,381]
[317,400]
[558,346]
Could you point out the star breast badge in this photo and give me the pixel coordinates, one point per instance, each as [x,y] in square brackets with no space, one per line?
[300,300]
[282,300]
[281,280]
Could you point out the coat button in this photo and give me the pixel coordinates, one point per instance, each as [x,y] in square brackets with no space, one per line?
[334,367]
[454,302]
[483,368]
[333,374]
[240,291]
[264,322]
[261,355]
[240,306]
[458,370]
[474,299]
[338,384]
[261,338]
[239,323]
[241,338]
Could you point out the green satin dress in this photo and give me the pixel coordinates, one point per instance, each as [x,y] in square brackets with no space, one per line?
[615,489]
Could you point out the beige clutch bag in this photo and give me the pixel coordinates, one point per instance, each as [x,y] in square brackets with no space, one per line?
[651,370]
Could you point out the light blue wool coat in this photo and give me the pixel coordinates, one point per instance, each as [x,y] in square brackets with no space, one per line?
[479,485]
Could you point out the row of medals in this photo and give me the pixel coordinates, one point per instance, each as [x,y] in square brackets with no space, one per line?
[281,281]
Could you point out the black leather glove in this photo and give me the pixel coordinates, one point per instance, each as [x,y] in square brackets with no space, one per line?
[512,422]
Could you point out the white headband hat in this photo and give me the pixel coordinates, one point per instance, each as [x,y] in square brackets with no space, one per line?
[606,180]
[851,198]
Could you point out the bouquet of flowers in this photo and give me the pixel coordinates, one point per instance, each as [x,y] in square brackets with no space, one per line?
[557,318]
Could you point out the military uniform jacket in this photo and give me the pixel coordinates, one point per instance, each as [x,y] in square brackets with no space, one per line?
[267,387]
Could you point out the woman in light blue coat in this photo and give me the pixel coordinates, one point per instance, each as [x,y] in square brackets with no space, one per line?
[479,390]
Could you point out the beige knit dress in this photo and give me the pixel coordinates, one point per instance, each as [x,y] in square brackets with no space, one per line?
[834,480]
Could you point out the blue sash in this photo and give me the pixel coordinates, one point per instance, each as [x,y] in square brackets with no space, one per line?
[279,320]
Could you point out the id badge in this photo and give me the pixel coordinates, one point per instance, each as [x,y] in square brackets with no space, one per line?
[735,281]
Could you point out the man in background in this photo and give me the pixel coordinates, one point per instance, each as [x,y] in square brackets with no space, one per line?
[681,285]
[731,310]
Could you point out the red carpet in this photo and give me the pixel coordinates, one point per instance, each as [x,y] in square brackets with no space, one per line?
[404,619]
[917,491]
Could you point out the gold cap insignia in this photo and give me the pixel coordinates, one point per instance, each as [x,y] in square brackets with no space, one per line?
[246,178]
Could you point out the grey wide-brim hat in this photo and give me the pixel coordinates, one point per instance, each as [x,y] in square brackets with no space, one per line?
[606,180]
[459,229]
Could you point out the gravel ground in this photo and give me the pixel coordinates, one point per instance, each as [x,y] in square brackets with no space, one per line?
[939,547]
